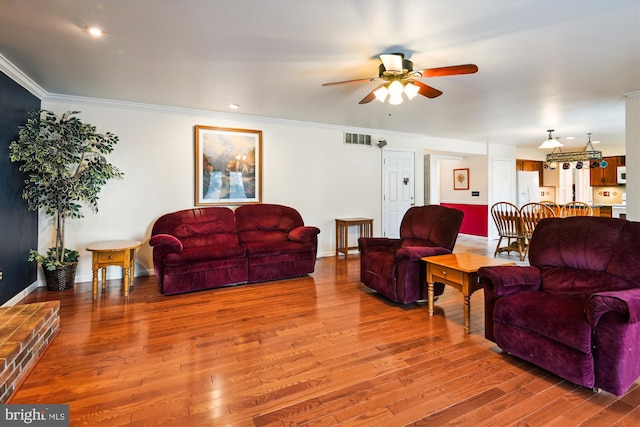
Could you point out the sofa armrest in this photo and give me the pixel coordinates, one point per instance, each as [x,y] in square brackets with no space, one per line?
[506,280]
[625,302]
[172,242]
[304,233]
[415,253]
[374,244]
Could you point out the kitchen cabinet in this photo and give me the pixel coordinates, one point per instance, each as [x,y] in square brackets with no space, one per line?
[531,165]
[609,175]
[605,211]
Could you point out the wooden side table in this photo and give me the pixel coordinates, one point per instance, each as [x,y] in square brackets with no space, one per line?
[115,252]
[461,272]
[365,228]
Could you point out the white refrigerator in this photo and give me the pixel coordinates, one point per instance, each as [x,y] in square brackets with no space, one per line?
[528,187]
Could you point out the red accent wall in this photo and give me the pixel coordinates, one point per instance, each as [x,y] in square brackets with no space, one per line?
[475,219]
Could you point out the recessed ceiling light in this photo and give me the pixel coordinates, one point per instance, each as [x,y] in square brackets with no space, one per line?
[94,31]
[234,106]
[571,137]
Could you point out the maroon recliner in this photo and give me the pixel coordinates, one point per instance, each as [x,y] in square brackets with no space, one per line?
[393,267]
[575,311]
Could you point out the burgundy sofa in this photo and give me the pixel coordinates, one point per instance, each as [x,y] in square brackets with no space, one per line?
[205,248]
[575,311]
[393,267]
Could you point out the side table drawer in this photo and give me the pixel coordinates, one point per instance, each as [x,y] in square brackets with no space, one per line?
[111,257]
[450,274]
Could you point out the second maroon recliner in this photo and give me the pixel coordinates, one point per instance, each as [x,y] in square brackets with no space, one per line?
[393,267]
[575,310]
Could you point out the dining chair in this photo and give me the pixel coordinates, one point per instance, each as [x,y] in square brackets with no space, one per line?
[531,214]
[552,205]
[509,224]
[575,209]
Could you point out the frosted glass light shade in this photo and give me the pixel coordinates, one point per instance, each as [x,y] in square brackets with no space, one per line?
[395,99]
[396,88]
[411,90]
[551,143]
[381,93]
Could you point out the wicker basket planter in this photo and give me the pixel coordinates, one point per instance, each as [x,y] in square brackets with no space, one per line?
[63,277]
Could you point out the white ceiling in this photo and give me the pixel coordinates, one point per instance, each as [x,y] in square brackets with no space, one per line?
[543,64]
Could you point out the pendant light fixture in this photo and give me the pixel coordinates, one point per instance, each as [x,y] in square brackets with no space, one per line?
[550,142]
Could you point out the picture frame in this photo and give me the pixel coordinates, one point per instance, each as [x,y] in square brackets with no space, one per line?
[228,166]
[461,179]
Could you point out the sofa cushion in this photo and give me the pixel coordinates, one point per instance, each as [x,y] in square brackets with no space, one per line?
[261,222]
[556,317]
[203,254]
[276,247]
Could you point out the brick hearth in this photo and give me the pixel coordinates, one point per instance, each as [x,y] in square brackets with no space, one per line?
[25,333]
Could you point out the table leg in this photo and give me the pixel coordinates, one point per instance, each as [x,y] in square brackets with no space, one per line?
[104,278]
[126,281]
[467,312]
[95,283]
[132,269]
[430,296]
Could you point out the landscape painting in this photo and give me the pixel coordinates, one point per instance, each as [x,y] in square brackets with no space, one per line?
[228,166]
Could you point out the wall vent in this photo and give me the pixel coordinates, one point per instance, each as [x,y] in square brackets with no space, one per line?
[357,139]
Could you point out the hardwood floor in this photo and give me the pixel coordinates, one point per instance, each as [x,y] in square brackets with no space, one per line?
[321,350]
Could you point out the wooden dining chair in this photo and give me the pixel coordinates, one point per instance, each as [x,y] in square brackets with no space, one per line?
[531,214]
[575,209]
[552,205]
[509,224]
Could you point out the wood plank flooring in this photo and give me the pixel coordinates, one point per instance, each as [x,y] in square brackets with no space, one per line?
[321,350]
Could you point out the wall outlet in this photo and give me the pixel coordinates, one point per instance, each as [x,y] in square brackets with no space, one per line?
[1,274]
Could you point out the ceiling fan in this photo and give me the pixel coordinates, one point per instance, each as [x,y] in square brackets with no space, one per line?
[399,77]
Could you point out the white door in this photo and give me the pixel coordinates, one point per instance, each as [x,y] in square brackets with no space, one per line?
[503,187]
[398,188]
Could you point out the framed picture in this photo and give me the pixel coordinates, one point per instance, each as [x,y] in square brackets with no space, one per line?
[228,166]
[461,179]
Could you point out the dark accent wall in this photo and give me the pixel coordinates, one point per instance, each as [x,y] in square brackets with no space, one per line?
[18,225]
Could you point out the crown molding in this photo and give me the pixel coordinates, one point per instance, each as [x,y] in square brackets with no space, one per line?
[25,81]
[112,103]
[21,78]
[632,95]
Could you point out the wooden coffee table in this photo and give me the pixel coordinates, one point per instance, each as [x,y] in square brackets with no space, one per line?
[461,272]
[115,252]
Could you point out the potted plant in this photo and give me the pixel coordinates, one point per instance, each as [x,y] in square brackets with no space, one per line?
[65,163]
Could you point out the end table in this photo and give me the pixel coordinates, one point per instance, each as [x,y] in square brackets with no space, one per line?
[115,252]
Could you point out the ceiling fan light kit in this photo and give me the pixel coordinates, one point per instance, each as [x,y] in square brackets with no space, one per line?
[400,77]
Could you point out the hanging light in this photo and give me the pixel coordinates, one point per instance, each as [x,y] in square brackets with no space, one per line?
[550,142]
[588,154]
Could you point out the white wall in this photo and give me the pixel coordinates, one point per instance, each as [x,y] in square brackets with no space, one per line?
[632,144]
[478,179]
[305,166]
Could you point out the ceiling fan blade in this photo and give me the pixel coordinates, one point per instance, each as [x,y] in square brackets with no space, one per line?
[392,62]
[449,71]
[369,79]
[370,96]
[426,90]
